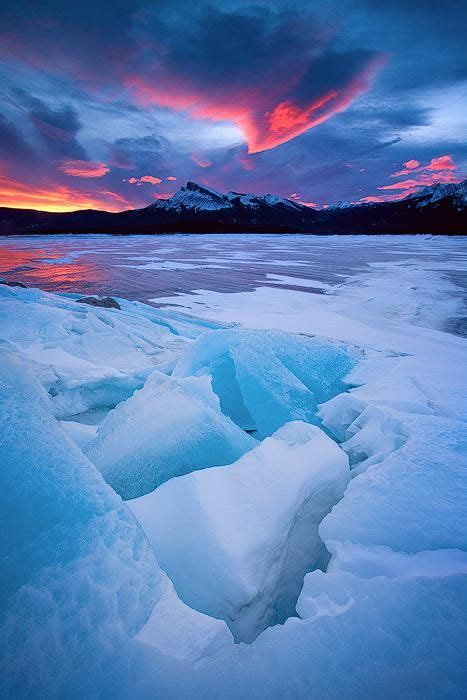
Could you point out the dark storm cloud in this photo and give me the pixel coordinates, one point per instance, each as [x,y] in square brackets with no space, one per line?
[57,129]
[85,40]
[238,45]
[143,152]
[331,69]
[13,145]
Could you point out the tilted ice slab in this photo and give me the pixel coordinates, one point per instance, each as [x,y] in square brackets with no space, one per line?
[266,379]
[237,540]
[78,576]
[80,590]
[168,428]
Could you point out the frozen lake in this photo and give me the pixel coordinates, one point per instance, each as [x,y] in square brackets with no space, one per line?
[146,268]
[143,267]
[286,421]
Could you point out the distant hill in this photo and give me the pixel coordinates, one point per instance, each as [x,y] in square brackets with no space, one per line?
[440,208]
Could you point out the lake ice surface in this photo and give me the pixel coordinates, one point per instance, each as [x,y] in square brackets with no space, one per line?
[234,325]
[149,267]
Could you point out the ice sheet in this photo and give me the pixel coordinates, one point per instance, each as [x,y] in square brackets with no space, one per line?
[237,541]
[169,427]
[80,581]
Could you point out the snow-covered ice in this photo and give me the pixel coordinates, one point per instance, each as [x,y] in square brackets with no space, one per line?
[290,455]
[90,358]
[76,567]
[237,541]
[179,631]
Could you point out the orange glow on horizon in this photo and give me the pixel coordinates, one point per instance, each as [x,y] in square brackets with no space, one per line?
[57,199]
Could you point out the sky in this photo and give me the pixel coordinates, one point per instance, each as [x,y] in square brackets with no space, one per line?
[111,105]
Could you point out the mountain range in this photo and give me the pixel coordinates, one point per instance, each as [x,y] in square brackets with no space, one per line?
[438,208]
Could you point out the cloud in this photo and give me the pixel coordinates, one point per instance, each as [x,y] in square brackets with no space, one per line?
[201,162]
[273,77]
[150,179]
[55,127]
[409,166]
[271,96]
[295,197]
[13,145]
[374,199]
[404,185]
[84,168]
[142,153]
[255,65]
[440,169]
[437,170]
[441,163]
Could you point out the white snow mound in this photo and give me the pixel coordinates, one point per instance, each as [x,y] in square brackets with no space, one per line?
[237,541]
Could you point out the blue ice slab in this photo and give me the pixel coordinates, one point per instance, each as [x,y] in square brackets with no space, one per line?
[170,427]
[266,379]
[77,576]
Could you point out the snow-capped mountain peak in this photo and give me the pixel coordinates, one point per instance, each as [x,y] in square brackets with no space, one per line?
[196,197]
[433,193]
[341,205]
[200,198]
[275,201]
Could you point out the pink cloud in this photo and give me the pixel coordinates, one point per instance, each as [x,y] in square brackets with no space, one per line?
[145,178]
[83,168]
[312,205]
[201,162]
[403,185]
[295,196]
[409,166]
[171,178]
[374,199]
[152,180]
[266,113]
[442,163]
[439,169]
